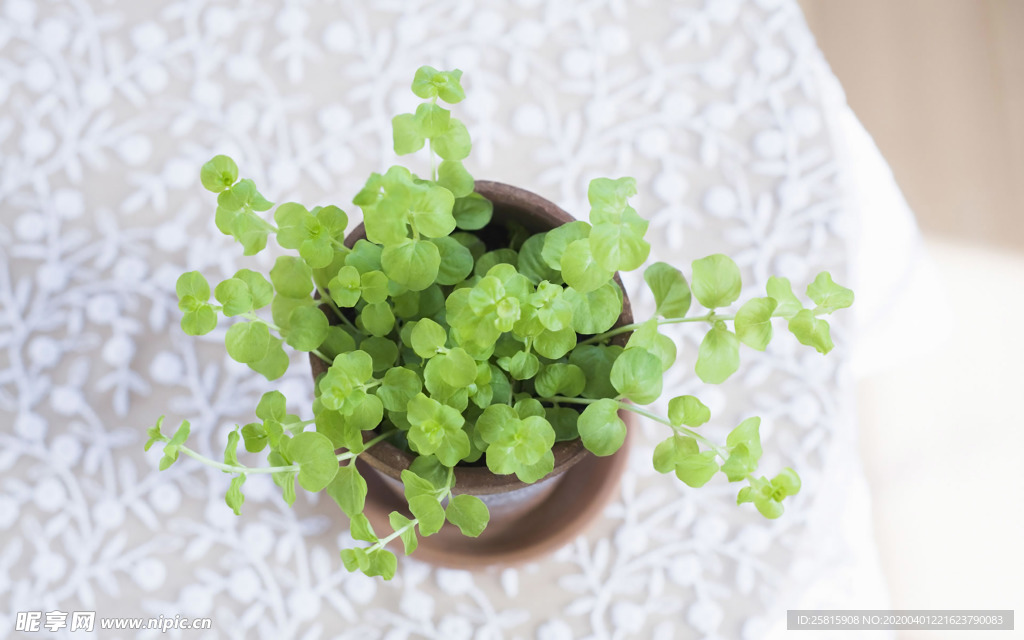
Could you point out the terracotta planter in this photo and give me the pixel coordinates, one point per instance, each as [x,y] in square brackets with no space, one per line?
[527,520]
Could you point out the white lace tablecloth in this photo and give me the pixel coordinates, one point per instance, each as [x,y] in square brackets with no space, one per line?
[724,112]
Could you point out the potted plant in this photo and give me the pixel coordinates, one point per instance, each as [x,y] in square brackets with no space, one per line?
[471,330]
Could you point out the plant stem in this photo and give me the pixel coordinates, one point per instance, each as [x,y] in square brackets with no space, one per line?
[230,468]
[415,521]
[348,455]
[380,544]
[709,317]
[337,311]
[719,451]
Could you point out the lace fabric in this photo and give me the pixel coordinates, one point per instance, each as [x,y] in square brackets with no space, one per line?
[719,109]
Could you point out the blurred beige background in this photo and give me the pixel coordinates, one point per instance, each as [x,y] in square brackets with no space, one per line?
[939,84]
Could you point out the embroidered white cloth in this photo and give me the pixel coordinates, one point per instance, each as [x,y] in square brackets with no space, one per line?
[724,111]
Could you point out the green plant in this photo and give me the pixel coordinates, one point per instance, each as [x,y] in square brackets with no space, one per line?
[463,353]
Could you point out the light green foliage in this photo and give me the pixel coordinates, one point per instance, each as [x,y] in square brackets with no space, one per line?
[400,385]
[468,513]
[828,295]
[234,497]
[237,216]
[672,451]
[467,347]
[378,318]
[432,119]
[437,429]
[379,562]
[671,292]
[430,210]
[493,258]
[601,428]
[193,300]
[346,287]
[274,363]
[424,502]
[607,196]
[753,322]
[364,256]
[619,243]
[456,261]
[361,529]
[342,431]
[564,421]
[554,312]
[581,269]
[696,469]
[560,379]
[174,444]
[558,240]
[446,85]
[716,281]
[292,277]
[781,292]
[457,367]
[383,351]
[343,387]
[454,143]
[719,354]
[314,236]
[219,174]
[338,341]
[811,331]
[452,175]
[231,450]
[682,455]
[271,410]
[428,338]
[744,444]
[314,454]
[248,342]
[307,328]
[235,297]
[408,136]
[595,311]
[636,374]
[348,489]
[405,529]
[522,366]
[555,344]
[596,361]
[687,410]
[767,495]
[472,212]
[412,263]
[373,286]
[531,263]
[153,434]
[514,443]
[260,290]
[646,336]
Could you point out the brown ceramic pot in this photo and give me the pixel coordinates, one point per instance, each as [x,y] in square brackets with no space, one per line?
[527,520]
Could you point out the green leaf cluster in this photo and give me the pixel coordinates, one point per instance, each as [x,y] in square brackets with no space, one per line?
[467,341]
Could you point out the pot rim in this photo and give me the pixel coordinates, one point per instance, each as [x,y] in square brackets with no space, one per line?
[540,215]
